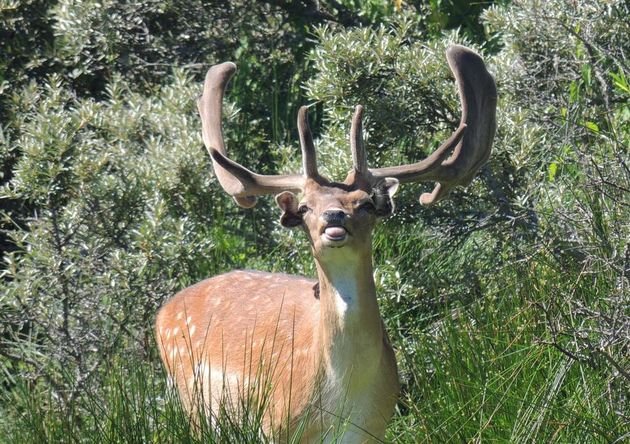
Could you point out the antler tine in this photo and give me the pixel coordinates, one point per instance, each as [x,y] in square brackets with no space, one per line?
[359,157]
[309,158]
[471,143]
[242,184]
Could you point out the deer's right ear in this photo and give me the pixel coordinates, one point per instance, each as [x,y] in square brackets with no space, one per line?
[289,205]
[383,194]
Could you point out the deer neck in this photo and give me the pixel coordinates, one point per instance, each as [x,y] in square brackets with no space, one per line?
[350,326]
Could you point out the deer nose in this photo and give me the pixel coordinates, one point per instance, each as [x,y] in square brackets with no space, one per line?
[334,216]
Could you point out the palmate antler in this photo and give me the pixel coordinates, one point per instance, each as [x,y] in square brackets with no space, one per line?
[470,144]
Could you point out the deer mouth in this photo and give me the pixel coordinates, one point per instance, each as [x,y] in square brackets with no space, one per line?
[335,234]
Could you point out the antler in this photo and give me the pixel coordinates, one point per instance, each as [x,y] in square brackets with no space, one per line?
[242,184]
[470,144]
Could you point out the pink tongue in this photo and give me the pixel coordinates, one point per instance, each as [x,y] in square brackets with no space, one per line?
[335,232]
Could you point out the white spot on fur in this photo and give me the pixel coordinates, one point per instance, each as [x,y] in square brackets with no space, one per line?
[191,330]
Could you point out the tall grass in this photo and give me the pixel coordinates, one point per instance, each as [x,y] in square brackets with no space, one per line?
[486,371]
[132,404]
[481,371]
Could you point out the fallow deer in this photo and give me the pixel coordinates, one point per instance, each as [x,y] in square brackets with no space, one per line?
[317,347]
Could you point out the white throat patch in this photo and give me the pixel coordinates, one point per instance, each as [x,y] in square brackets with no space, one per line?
[342,274]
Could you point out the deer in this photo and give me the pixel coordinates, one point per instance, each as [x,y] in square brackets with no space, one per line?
[317,348]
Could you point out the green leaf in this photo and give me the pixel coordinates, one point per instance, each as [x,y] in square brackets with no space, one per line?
[620,81]
[574,91]
[592,126]
[563,112]
[553,168]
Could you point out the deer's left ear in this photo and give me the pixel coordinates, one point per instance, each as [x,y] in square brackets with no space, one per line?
[288,204]
[383,193]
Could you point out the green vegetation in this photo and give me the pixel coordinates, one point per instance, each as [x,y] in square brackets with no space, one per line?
[507,303]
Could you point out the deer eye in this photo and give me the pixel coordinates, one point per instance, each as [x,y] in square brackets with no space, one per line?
[368,205]
[303,209]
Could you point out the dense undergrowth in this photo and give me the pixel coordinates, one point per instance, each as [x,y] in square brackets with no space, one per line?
[507,304]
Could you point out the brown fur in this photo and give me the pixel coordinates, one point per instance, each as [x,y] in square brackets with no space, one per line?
[253,325]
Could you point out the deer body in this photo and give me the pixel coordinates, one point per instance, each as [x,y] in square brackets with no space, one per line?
[321,344]
[313,355]
[348,383]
